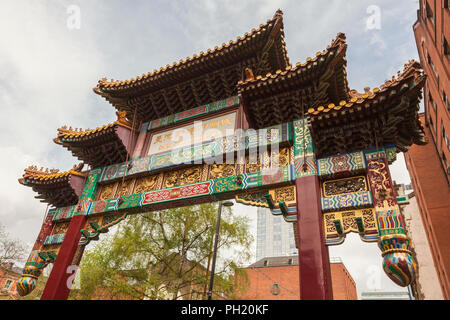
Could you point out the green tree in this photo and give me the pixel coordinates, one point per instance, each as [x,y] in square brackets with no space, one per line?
[166,255]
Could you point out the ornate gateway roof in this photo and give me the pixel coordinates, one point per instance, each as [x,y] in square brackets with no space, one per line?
[384,116]
[342,120]
[102,146]
[208,76]
[59,189]
[279,97]
[272,91]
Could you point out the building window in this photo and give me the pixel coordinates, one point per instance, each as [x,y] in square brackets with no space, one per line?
[266,263]
[275,289]
[259,252]
[432,125]
[7,284]
[277,250]
[445,47]
[430,62]
[445,99]
[444,159]
[431,101]
[262,215]
[444,135]
[430,13]
[445,4]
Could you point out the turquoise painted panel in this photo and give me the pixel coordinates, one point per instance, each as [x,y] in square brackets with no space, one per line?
[347,201]
[195,112]
[342,165]
[198,153]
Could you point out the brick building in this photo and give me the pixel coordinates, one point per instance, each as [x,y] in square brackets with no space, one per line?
[8,277]
[276,278]
[429,165]
[426,284]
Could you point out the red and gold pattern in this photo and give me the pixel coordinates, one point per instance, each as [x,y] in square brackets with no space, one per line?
[177,193]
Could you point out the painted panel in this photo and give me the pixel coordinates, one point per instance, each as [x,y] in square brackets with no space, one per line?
[343,201]
[54,239]
[195,112]
[194,133]
[347,220]
[255,140]
[341,165]
[177,193]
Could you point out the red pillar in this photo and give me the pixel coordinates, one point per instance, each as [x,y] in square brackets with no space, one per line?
[57,287]
[314,265]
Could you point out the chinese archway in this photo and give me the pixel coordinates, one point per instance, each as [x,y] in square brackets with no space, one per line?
[322,155]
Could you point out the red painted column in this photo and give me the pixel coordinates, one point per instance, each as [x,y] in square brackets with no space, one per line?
[314,263]
[315,273]
[57,287]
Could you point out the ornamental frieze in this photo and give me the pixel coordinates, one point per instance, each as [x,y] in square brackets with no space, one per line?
[147,183]
[107,191]
[221,170]
[338,224]
[344,186]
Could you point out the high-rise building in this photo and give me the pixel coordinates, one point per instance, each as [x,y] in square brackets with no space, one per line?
[429,165]
[274,236]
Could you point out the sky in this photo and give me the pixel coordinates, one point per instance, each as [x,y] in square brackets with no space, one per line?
[53,52]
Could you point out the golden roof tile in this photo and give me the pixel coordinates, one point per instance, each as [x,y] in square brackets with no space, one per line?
[196,58]
[69,133]
[411,71]
[33,174]
[337,44]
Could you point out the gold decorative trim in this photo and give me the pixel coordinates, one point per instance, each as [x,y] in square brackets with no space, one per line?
[325,194]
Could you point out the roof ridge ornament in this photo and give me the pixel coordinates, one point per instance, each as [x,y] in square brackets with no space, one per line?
[337,44]
[411,68]
[248,75]
[33,171]
[338,41]
[78,167]
[122,119]
[278,14]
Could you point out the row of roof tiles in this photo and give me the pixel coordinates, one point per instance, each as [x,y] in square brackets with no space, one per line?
[104,84]
[33,174]
[336,46]
[411,71]
[66,134]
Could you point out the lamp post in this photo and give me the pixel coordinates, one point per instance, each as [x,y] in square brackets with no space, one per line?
[216,240]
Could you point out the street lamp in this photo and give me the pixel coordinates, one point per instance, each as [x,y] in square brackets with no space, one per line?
[216,240]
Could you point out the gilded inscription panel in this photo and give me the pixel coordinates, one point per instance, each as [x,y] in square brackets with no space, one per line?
[344,186]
